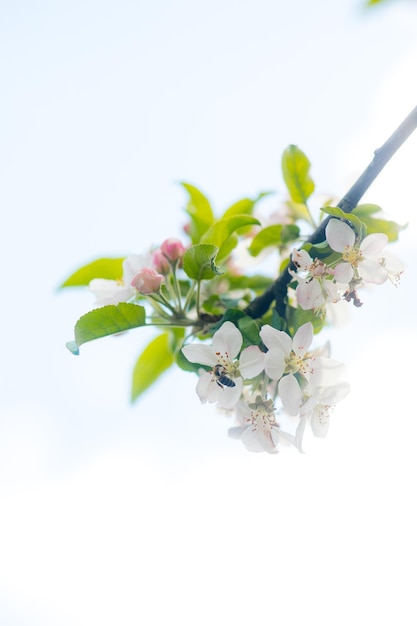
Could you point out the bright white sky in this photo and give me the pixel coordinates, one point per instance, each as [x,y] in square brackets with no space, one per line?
[112,514]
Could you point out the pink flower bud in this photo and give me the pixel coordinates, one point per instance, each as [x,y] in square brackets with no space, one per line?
[147,281]
[160,262]
[172,249]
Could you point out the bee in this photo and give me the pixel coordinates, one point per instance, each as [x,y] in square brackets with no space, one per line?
[221,379]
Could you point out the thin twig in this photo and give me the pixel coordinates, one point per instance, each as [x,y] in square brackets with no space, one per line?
[278,290]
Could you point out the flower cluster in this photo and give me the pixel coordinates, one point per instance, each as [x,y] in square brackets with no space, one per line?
[145,275]
[357,263]
[247,334]
[260,385]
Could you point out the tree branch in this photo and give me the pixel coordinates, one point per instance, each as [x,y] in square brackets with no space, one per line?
[278,290]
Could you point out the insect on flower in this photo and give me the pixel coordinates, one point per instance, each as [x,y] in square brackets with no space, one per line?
[221,379]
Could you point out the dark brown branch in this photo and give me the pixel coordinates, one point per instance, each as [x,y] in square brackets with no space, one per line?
[278,290]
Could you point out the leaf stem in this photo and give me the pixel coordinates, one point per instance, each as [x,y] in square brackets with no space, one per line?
[198,298]
[158,299]
[176,286]
[278,290]
[189,296]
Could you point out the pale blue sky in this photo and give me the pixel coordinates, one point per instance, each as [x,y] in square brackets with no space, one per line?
[149,514]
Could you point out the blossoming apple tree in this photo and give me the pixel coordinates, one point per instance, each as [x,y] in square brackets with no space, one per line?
[250,337]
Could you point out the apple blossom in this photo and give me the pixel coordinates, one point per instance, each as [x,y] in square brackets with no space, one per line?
[289,361]
[258,429]
[160,262]
[318,287]
[394,268]
[278,382]
[316,293]
[109,291]
[360,260]
[317,407]
[172,249]
[223,383]
[286,357]
[147,281]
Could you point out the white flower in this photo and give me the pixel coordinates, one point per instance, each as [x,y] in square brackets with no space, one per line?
[317,287]
[258,429]
[360,261]
[110,291]
[317,407]
[288,356]
[223,383]
[114,291]
[394,268]
[315,293]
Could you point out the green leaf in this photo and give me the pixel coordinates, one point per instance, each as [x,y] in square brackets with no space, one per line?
[231,315]
[200,212]
[221,230]
[257,283]
[245,206]
[101,268]
[296,172]
[250,331]
[364,210]
[377,225]
[335,211]
[290,232]
[299,211]
[227,247]
[213,305]
[106,320]
[274,235]
[320,250]
[276,321]
[297,317]
[176,337]
[269,236]
[199,262]
[154,361]
[186,365]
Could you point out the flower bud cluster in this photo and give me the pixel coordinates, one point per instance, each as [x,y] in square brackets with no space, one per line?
[145,275]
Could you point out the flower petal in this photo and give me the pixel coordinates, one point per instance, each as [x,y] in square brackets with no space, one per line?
[252,362]
[275,363]
[230,396]
[301,259]
[109,291]
[372,272]
[227,341]
[207,388]
[258,441]
[334,394]
[326,372]
[290,394]
[309,294]
[303,338]
[320,422]
[339,235]
[131,266]
[373,244]
[236,432]
[276,339]
[343,273]
[200,353]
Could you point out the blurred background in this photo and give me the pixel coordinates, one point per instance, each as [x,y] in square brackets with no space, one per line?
[149,514]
